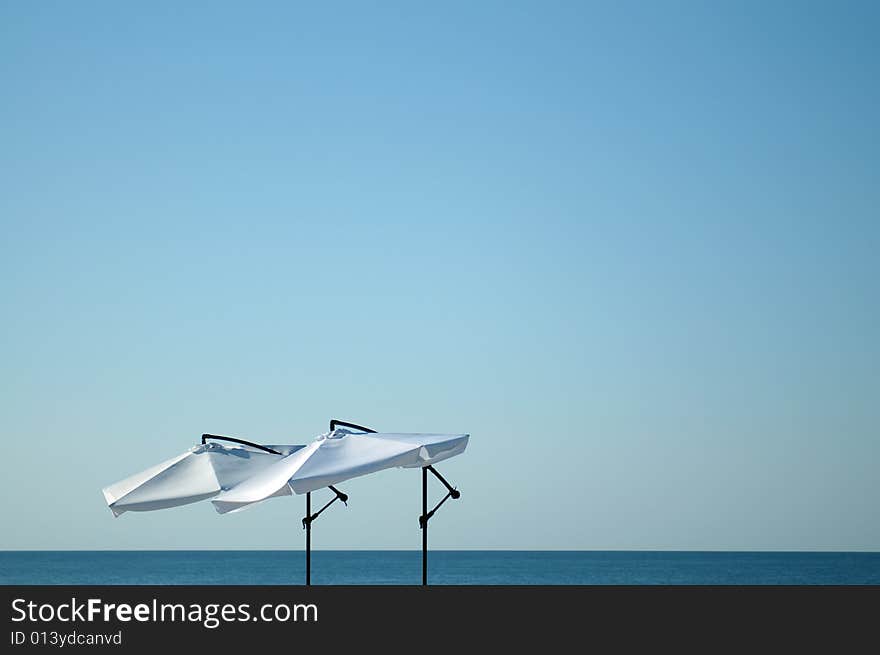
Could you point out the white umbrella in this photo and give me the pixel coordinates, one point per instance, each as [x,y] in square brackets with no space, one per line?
[337,456]
[200,473]
[243,475]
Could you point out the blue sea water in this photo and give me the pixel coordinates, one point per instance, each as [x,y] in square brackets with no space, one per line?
[400,567]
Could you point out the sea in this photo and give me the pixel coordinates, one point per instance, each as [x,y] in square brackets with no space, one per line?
[445,567]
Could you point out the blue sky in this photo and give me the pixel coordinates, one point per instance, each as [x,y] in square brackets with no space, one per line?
[630,247]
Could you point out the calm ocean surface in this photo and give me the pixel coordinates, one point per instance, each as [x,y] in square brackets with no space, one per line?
[444,567]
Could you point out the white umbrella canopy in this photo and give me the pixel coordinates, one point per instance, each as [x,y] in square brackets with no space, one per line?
[200,473]
[337,456]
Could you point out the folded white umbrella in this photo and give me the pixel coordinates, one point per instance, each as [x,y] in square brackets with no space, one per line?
[201,472]
[241,475]
[337,456]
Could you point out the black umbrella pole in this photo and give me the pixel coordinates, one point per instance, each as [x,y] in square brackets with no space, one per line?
[308,539]
[425,525]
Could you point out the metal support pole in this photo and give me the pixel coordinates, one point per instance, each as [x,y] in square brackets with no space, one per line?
[308,539]
[451,492]
[307,524]
[425,526]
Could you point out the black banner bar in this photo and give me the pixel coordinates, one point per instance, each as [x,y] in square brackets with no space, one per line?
[253,619]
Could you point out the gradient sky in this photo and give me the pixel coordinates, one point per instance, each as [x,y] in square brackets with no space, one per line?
[631,248]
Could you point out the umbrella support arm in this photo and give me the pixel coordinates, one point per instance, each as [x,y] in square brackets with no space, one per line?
[307,521]
[219,437]
[451,492]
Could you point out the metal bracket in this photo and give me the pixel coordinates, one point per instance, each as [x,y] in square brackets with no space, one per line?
[334,422]
[307,521]
[205,437]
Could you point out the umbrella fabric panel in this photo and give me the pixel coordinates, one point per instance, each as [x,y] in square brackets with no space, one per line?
[198,474]
[114,492]
[433,447]
[235,465]
[349,456]
[188,480]
[285,449]
[272,480]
